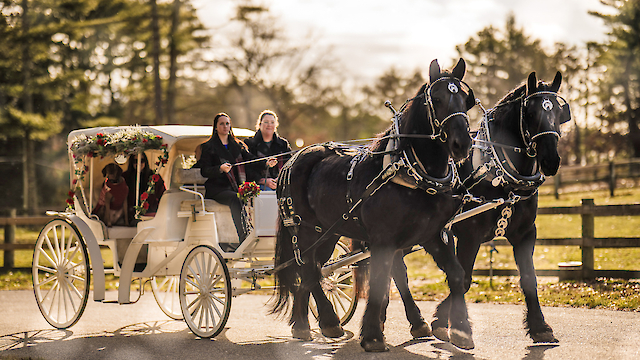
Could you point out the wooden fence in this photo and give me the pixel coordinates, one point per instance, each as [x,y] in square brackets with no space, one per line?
[606,173]
[587,242]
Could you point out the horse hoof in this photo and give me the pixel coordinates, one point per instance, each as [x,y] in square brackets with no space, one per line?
[441,334]
[374,345]
[333,332]
[461,339]
[421,331]
[544,337]
[304,334]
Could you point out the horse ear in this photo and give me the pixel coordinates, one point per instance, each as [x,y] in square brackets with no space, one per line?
[471,100]
[459,70]
[532,83]
[566,114]
[434,71]
[555,86]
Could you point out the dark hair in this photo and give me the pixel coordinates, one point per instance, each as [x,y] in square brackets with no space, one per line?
[132,172]
[112,168]
[231,136]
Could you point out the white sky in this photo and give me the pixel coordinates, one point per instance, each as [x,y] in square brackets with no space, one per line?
[369,36]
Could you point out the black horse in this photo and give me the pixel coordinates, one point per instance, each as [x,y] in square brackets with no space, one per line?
[329,190]
[516,145]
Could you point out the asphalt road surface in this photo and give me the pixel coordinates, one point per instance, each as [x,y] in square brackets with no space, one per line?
[141,331]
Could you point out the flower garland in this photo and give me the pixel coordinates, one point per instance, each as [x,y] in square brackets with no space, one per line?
[130,140]
[151,185]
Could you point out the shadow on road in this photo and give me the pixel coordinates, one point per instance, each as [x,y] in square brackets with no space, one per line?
[169,339]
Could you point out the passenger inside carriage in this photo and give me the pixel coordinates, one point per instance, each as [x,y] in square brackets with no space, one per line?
[222,163]
[112,203]
[146,177]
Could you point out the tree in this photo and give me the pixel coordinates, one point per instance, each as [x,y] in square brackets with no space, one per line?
[499,60]
[619,55]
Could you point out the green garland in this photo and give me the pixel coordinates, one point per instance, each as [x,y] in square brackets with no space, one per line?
[130,140]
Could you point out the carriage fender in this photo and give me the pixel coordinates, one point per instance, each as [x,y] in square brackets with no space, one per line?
[128,263]
[94,254]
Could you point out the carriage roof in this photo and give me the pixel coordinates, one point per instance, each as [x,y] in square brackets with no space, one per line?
[170,133]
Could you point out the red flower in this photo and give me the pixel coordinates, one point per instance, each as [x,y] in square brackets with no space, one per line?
[71,193]
[164,161]
[90,154]
[157,163]
[100,135]
[145,140]
[155,177]
[75,181]
[145,206]
[144,196]
[70,201]
[100,141]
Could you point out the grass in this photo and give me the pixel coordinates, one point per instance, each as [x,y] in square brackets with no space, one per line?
[428,282]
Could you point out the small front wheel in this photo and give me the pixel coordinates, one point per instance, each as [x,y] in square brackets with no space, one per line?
[165,290]
[205,291]
[61,273]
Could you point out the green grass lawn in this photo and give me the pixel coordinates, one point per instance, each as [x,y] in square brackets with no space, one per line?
[428,282]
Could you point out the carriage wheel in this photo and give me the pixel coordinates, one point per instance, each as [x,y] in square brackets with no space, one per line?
[205,291]
[165,290]
[61,275]
[340,288]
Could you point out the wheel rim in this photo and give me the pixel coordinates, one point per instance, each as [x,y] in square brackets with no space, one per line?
[340,289]
[205,291]
[165,291]
[60,274]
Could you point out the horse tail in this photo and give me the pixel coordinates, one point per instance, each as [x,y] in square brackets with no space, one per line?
[292,182]
[286,278]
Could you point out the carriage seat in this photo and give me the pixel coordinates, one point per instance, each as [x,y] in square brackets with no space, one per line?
[224,226]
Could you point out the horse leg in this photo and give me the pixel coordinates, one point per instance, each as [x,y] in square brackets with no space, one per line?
[536,326]
[419,328]
[328,321]
[460,333]
[371,336]
[300,315]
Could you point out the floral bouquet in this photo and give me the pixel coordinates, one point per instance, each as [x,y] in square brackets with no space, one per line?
[247,191]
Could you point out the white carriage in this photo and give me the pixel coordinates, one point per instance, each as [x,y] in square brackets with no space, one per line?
[178,250]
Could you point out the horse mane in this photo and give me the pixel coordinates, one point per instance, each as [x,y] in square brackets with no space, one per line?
[408,121]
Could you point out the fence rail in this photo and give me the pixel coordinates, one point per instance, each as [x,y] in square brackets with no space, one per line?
[608,173]
[587,242]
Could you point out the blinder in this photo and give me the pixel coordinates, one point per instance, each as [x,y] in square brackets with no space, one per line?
[453,87]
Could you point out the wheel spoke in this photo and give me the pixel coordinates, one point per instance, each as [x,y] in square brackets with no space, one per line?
[46,269]
[45,281]
[46,256]
[344,277]
[53,251]
[192,282]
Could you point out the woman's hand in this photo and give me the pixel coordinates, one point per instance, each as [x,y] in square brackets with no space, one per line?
[271,183]
[225,168]
[272,162]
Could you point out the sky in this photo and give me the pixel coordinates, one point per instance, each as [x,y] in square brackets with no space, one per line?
[370,36]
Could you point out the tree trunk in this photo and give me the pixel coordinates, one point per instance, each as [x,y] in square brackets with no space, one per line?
[28,170]
[155,30]
[173,63]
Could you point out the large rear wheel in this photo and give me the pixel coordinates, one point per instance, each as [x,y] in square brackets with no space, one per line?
[205,291]
[61,273]
[340,288]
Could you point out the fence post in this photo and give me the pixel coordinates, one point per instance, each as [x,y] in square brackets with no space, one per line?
[9,238]
[587,238]
[612,177]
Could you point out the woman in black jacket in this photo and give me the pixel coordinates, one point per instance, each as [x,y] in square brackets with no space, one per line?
[217,163]
[266,142]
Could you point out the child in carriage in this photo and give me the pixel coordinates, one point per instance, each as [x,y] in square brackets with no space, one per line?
[112,203]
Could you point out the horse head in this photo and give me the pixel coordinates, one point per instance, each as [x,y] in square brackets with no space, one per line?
[544,111]
[448,99]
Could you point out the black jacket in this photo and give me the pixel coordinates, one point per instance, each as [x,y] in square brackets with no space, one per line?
[215,154]
[259,148]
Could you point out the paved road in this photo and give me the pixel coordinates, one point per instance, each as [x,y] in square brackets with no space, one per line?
[141,331]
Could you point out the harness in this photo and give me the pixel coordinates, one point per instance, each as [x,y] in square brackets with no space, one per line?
[492,163]
[399,165]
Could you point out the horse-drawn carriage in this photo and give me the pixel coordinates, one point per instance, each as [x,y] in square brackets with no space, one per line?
[177,249]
